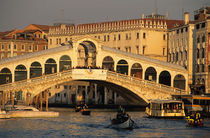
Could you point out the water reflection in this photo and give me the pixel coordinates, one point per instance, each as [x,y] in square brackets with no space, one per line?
[72,124]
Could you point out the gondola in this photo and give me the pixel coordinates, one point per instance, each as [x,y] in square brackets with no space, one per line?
[123,121]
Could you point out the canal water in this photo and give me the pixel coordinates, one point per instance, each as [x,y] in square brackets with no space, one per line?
[73,124]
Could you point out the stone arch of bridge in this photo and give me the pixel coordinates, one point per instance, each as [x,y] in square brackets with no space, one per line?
[108,63]
[5,76]
[86,52]
[36,69]
[122,66]
[65,63]
[20,72]
[50,66]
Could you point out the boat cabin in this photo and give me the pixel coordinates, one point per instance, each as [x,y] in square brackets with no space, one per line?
[165,109]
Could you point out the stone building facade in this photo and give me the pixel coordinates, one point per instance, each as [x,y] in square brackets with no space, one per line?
[19,42]
[146,36]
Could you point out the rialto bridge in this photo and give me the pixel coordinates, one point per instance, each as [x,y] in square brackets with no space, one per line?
[135,77]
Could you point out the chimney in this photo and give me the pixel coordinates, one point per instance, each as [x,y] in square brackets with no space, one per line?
[186,17]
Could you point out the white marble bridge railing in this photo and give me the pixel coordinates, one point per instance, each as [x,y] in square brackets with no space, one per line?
[146,83]
[109,75]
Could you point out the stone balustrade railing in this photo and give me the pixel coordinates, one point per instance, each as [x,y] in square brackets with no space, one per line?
[109,75]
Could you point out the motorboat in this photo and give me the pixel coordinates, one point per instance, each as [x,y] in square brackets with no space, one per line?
[194,120]
[165,109]
[122,121]
[27,111]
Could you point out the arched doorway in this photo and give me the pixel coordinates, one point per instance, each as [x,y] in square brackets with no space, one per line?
[20,73]
[5,76]
[122,67]
[179,82]
[65,63]
[151,74]
[165,78]
[108,63]
[136,70]
[50,66]
[86,54]
[35,70]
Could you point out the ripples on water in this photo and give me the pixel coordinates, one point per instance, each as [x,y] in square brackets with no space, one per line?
[73,124]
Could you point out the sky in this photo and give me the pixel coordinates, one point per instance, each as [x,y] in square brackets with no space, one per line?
[18,14]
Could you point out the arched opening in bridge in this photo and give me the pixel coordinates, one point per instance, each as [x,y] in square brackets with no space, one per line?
[179,82]
[136,70]
[108,63]
[151,74]
[50,66]
[5,76]
[86,54]
[165,78]
[65,63]
[122,67]
[35,70]
[20,73]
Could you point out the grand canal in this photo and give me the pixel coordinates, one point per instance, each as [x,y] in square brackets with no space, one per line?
[72,124]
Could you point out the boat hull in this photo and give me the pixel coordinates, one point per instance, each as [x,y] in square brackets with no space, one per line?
[128,124]
[85,112]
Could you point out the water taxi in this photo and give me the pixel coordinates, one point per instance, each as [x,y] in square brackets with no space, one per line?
[165,109]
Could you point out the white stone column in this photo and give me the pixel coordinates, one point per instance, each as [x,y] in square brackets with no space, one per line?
[105,95]
[96,94]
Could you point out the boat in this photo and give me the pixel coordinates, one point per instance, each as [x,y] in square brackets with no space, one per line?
[25,111]
[122,122]
[165,109]
[85,112]
[194,120]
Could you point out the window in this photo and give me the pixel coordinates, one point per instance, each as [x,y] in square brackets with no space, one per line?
[65,87]
[197,26]
[182,30]
[23,47]
[118,48]
[57,41]
[137,36]
[197,68]
[15,47]
[104,38]
[119,37]
[2,46]
[50,41]
[129,36]
[114,37]
[129,49]
[164,37]
[163,51]
[203,38]
[198,39]
[203,25]
[60,41]
[126,49]
[36,47]
[30,47]
[186,29]
[46,47]
[137,49]
[177,56]
[107,37]
[203,53]
[9,46]
[198,53]
[185,54]
[66,39]
[64,95]
[126,37]
[39,36]
[177,31]
[144,47]
[144,35]
[99,37]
